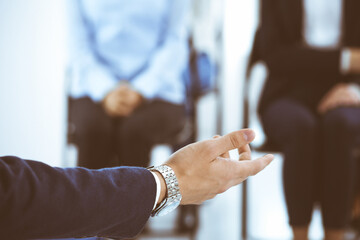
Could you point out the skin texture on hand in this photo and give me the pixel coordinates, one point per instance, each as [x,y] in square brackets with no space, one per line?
[204,169]
[122,101]
[341,95]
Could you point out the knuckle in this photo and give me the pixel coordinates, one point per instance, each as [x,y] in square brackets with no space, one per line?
[244,156]
[234,141]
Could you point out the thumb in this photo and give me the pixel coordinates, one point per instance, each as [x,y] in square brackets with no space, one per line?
[233,140]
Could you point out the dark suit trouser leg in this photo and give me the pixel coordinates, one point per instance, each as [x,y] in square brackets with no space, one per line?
[101,139]
[319,164]
[153,123]
[93,133]
[340,133]
[294,128]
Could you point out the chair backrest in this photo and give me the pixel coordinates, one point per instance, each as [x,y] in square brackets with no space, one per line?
[199,79]
[256,74]
[199,76]
[253,88]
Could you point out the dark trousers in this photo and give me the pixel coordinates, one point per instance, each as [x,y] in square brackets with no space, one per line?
[319,164]
[104,141]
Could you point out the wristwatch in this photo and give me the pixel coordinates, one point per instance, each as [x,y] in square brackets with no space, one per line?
[173,196]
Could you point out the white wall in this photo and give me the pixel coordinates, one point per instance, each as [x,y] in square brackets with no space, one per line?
[32,105]
[32,79]
[239,23]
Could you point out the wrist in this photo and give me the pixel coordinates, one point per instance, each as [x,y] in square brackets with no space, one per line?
[170,193]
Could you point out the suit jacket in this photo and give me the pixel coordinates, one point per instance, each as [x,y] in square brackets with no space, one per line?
[39,201]
[295,70]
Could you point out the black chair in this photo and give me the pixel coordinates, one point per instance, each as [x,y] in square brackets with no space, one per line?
[355,221]
[270,147]
[266,147]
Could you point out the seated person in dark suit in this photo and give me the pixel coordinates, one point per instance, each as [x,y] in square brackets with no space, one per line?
[127,59]
[310,104]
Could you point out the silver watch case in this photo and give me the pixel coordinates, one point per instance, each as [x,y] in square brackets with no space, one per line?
[173,196]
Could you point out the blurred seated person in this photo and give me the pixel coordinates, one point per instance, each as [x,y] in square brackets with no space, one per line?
[126,64]
[310,104]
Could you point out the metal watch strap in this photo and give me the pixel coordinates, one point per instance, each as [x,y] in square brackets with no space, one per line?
[173,191]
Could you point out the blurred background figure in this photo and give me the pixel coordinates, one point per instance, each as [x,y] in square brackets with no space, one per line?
[127,92]
[33,86]
[310,104]
[135,76]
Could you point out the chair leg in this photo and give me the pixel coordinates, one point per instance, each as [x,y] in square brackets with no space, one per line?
[188,220]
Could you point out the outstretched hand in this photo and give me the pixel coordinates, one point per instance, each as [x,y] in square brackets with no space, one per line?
[204,169]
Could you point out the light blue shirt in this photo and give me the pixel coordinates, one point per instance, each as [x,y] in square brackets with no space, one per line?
[142,41]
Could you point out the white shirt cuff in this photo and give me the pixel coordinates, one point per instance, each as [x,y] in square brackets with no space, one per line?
[158,188]
[345,60]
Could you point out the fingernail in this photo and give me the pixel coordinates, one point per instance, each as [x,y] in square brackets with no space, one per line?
[270,157]
[249,135]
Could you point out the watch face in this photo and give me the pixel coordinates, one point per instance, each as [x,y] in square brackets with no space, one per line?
[168,208]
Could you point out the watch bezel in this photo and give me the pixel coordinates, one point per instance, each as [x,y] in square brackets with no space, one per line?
[172,197]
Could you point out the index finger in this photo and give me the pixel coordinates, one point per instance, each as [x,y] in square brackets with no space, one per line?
[233,140]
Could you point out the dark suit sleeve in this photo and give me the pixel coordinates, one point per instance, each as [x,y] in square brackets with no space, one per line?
[284,53]
[39,201]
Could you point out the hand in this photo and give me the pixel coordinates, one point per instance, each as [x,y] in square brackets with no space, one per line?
[204,169]
[122,101]
[341,95]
